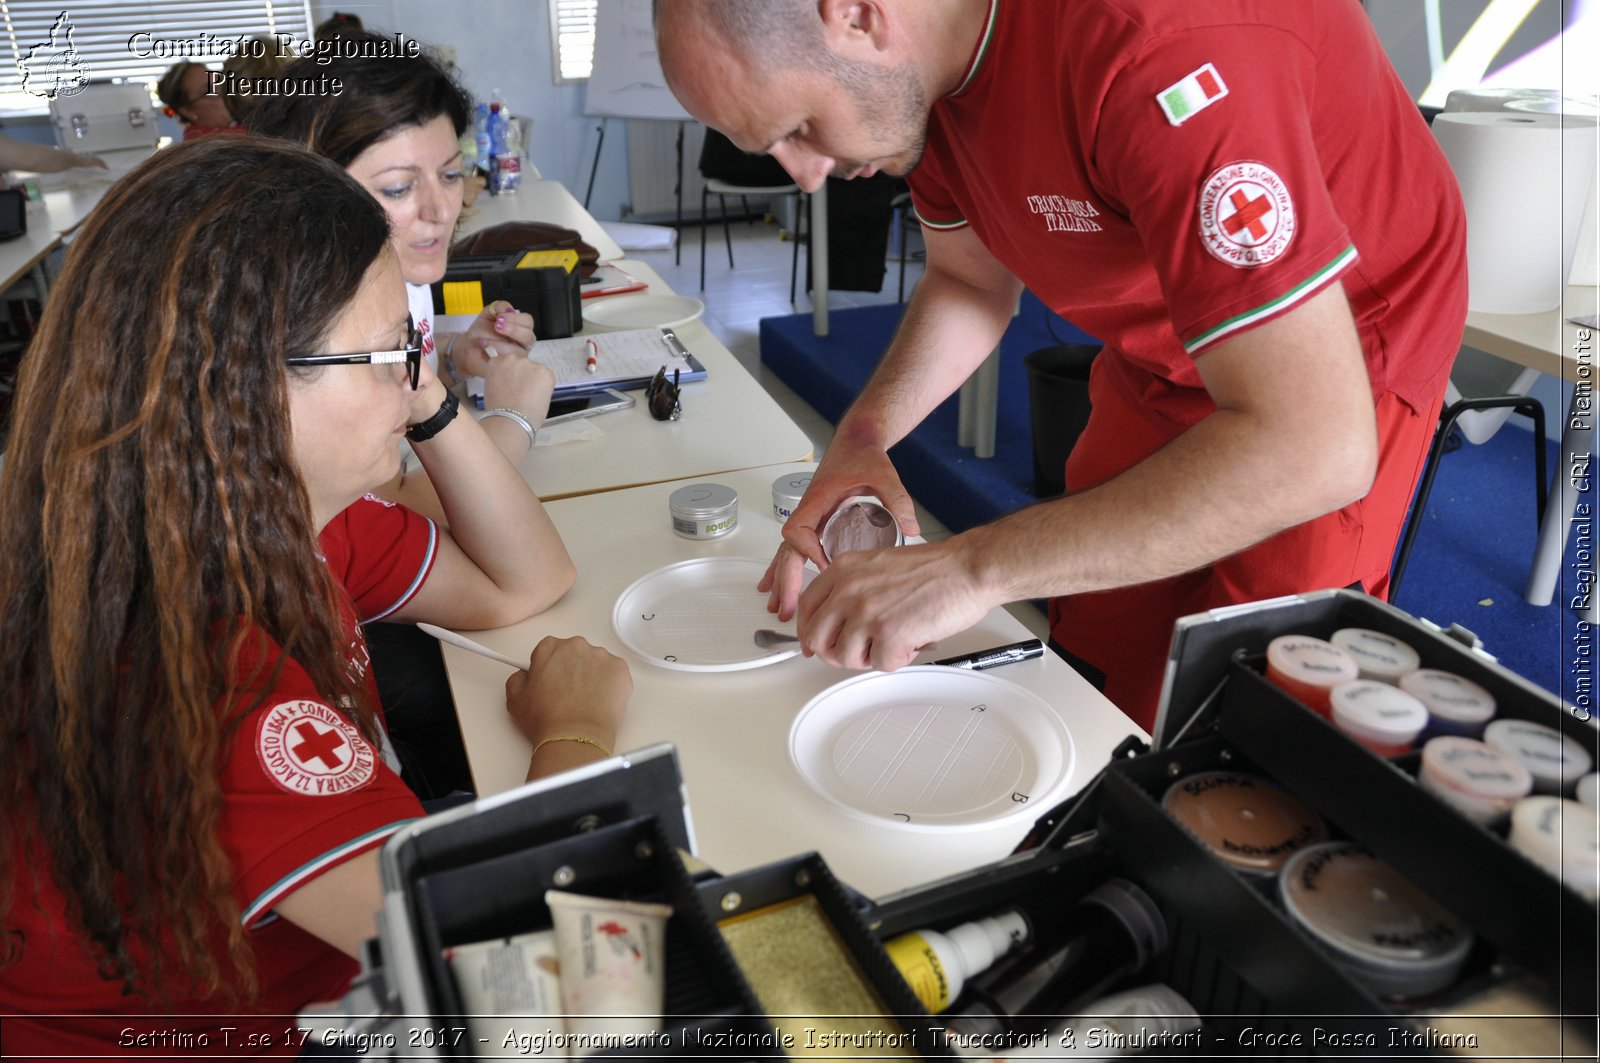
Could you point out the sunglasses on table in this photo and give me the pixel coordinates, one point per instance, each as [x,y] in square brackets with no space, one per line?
[410,354]
[661,395]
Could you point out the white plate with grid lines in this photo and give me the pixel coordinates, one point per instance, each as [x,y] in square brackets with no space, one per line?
[930,748]
[700,616]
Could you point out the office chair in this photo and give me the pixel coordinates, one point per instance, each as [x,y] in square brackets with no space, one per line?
[730,172]
[1482,394]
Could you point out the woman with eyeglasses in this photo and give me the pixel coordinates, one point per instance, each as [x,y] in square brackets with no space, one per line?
[395,126]
[191,759]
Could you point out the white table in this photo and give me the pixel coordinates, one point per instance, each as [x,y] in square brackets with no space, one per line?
[539,201]
[748,805]
[729,422]
[1551,344]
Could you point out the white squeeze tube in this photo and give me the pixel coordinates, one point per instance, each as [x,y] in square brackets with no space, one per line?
[510,989]
[613,966]
[937,965]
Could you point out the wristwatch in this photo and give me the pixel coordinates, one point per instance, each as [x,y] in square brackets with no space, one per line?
[423,431]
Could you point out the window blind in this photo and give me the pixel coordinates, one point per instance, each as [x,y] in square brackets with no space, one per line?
[572,37]
[131,40]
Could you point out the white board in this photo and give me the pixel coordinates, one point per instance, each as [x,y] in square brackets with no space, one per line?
[627,80]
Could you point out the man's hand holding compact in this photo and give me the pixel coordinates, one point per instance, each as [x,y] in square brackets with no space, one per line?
[880,608]
[846,470]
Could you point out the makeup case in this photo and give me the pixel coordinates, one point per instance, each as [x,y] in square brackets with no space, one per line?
[105,117]
[1265,986]
[542,283]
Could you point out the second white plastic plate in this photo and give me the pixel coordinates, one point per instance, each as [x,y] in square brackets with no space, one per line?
[933,749]
[641,311]
[700,616]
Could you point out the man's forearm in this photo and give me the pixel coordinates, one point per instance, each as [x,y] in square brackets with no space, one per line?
[948,329]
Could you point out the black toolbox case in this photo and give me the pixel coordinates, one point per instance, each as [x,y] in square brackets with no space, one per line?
[1264,986]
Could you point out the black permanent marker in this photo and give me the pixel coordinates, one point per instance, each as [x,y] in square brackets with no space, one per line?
[995,656]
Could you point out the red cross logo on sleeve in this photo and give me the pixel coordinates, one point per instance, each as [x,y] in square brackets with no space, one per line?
[1247,218]
[307,748]
[321,746]
[1247,214]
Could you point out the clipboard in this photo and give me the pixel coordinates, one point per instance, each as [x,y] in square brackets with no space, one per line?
[626,360]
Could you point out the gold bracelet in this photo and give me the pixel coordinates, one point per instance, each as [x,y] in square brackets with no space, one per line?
[583,739]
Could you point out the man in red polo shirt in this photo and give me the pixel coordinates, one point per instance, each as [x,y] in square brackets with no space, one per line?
[1238,197]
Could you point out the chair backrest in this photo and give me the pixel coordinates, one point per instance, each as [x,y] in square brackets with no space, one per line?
[1477,375]
[720,160]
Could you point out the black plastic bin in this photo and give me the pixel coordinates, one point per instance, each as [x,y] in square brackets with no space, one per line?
[1058,404]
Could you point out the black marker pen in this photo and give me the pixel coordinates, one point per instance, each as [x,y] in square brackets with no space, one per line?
[995,656]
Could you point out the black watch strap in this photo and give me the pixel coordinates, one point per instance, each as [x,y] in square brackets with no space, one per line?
[423,431]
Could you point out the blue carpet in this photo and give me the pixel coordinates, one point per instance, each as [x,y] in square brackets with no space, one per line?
[1470,561]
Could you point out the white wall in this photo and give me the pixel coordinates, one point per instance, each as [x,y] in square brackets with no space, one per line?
[505,44]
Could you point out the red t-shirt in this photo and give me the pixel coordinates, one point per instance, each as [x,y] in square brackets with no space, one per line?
[302,792]
[1169,175]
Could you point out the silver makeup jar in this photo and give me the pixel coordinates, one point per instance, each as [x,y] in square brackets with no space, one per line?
[704,511]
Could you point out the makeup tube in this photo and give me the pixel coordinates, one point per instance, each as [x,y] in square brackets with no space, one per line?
[613,958]
[1114,930]
[937,965]
[509,987]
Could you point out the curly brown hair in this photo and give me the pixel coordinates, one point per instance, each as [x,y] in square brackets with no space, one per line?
[154,524]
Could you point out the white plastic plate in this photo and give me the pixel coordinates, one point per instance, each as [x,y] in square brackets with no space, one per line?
[641,311]
[700,616]
[933,749]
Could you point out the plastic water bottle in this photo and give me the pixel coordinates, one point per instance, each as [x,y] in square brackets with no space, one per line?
[510,163]
[497,146]
[480,137]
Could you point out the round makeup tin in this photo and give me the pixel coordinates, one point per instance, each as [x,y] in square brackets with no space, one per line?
[1308,668]
[1473,777]
[1456,706]
[1379,656]
[704,511]
[860,523]
[1556,760]
[1248,821]
[1383,718]
[1561,836]
[787,491]
[1390,936]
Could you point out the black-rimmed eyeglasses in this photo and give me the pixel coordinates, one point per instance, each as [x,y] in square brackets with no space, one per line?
[410,354]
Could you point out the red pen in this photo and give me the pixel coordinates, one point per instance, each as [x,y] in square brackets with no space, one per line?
[592,364]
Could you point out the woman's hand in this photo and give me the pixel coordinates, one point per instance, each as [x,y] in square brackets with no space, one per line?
[501,327]
[514,381]
[427,399]
[571,688]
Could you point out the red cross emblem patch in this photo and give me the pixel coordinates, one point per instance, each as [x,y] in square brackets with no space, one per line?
[307,748]
[1246,215]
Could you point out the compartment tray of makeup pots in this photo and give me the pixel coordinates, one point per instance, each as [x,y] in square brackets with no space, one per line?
[1201,874]
[1466,867]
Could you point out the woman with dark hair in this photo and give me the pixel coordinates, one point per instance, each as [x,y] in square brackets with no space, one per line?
[191,759]
[396,127]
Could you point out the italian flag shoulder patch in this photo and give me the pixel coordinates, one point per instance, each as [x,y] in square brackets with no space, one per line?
[1185,99]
